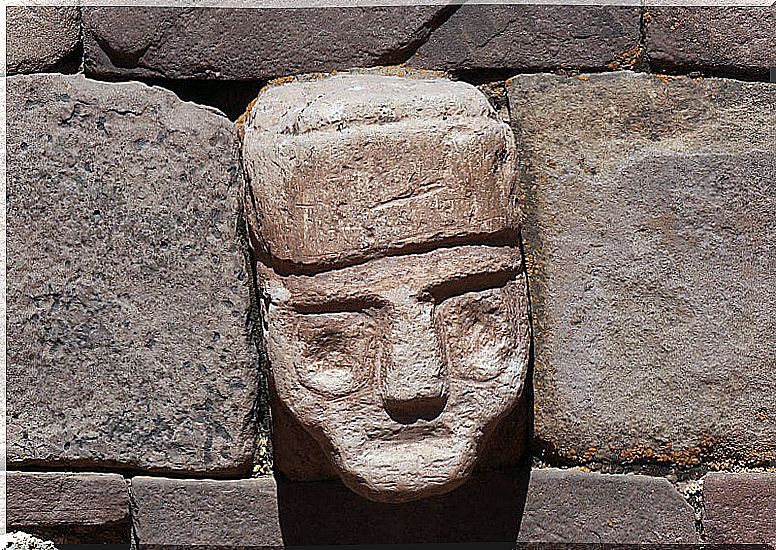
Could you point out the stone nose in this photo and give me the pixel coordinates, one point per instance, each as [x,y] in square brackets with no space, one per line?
[413,382]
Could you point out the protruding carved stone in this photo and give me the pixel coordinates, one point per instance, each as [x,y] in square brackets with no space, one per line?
[395,303]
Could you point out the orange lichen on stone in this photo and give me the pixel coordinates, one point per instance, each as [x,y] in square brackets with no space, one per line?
[627,59]
[664,78]
[240,122]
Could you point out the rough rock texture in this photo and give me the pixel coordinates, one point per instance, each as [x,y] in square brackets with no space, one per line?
[40,38]
[716,40]
[395,301]
[240,513]
[585,507]
[248,44]
[24,541]
[504,506]
[352,166]
[740,508]
[521,37]
[127,289]
[650,250]
[69,508]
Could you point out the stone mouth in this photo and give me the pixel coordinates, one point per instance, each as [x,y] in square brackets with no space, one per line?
[419,431]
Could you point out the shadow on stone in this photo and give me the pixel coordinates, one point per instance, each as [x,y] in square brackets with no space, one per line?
[488,508]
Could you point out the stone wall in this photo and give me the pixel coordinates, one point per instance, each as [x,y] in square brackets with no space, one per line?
[138,407]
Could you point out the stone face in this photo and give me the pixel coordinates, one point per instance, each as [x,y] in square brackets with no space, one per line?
[585,507]
[740,508]
[69,507]
[649,244]
[521,37]
[394,297]
[248,44]
[127,290]
[40,38]
[719,40]
[240,513]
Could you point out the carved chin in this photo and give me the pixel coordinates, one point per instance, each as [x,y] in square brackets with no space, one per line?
[405,471]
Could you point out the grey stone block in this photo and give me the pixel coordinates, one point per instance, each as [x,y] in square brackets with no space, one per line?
[572,506]
[128,298]
[40,38]
[524,37]
[650,246]
[740,508]
[248,44]
[505,506]
[69,508]
[205,512]
[717,40]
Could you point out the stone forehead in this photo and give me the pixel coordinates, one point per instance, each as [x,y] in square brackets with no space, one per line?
[353,166]
[300,106]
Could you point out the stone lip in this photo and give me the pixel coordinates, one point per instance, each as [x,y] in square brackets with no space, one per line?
[740,507]
[648,202]
[222,43]
[128,346]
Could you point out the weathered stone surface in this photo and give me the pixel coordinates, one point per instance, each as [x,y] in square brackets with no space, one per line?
[740,508]
[240,513]
[40,38]
[127,287]
[650,246]
[395,301]
[24,541]
[360,165]
[69,507]
[503,506]
[521,37]
[586,507]
[248,44]
[719,40]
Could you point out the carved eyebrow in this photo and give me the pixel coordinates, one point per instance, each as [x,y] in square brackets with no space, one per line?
[475,282]
[336,304]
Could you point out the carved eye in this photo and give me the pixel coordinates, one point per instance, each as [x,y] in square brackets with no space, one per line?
[481,332]
[337,352]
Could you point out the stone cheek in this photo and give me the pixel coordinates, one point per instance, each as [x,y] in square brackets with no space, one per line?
[395,303]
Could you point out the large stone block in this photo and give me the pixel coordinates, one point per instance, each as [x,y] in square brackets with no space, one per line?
[248,44]
[716,40]
[585,507]
[187,512]
[510,506]
[650,246]
[128,299]
[69,508]
[40,38]
[522,37]
[740,508]
[395,306]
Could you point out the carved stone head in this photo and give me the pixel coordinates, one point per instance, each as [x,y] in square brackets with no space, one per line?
[394,300]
